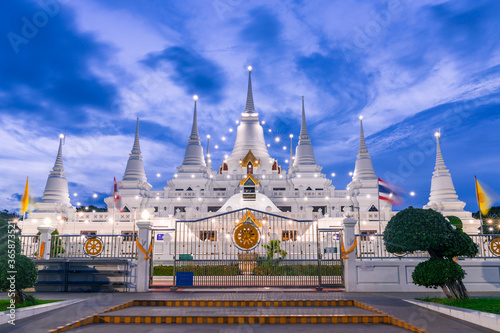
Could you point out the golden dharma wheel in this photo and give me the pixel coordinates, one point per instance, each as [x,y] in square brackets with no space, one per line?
[246,236]
[93,246]
[495,246]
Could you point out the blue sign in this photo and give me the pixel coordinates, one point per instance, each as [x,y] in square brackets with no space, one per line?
[159,237]
[184,279]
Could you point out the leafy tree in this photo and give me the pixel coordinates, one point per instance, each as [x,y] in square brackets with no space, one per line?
[457,222]
[427,230]
[11,260]
[274,247]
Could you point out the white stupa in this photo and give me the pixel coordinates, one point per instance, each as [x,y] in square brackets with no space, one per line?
[55,197]
[249,135]
[249,178]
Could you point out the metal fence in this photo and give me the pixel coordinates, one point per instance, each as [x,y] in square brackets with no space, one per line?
[30,245]
[253,248]
[80,246]
[372,247]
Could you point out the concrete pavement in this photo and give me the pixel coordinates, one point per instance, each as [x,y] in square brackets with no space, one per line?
[390,303]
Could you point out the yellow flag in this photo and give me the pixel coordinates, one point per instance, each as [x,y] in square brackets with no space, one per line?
[25,199]
[483,199]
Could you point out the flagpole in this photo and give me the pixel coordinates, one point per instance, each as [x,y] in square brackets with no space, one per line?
[378,198]
[479,206]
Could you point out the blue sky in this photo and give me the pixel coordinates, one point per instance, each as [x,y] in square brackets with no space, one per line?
[89,68]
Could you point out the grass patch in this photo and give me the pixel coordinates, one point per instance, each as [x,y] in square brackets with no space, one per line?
[4,303]
[486,304]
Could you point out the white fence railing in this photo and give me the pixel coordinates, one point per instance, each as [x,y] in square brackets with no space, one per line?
[373,247]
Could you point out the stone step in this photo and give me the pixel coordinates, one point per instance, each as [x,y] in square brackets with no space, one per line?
[249,312]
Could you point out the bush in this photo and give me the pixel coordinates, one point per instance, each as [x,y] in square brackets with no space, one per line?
[427,230]
[457,222]
[11,259]
[436,272]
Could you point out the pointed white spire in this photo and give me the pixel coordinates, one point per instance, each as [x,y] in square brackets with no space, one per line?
[443,196]
[194,150]
[304,153]
[249,134]
[364,167]
[135,165]
[249,107]
[56,189]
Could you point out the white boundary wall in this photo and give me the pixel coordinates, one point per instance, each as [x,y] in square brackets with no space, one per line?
[394,275]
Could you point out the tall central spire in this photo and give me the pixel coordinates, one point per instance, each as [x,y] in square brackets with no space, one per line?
[249,107]
[249,134]
[364,167]
[135,165]
[194,151]
[304,154]
[56,189]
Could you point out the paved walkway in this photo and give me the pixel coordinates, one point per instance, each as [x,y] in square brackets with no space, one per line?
[391,303]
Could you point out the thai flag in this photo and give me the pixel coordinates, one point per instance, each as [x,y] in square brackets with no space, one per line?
[116,195]
[388,192]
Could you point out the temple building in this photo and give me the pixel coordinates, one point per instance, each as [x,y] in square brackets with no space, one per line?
[248,178]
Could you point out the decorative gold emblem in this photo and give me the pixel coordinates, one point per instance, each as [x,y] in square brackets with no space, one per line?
[246,236]
[495,246]
[93,246]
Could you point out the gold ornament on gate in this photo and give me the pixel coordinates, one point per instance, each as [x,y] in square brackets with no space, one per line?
[93,246]
[495,246]
[246,236]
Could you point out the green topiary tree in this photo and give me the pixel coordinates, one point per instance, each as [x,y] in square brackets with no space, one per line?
[17,272]
[427,230]
[456,221]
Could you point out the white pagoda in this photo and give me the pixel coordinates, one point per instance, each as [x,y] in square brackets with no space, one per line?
[248,178]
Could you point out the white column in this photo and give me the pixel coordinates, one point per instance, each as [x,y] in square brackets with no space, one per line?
[350,278]
[45,236]
[144,237]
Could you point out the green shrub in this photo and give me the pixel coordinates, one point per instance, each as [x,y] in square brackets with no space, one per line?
[436,272]
[427,230]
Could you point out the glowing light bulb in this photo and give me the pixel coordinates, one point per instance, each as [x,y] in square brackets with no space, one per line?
[195,97]
[94,195]
[277,139]
[208,136]
[249,68]
[145,214]
[333,174]
[360,117]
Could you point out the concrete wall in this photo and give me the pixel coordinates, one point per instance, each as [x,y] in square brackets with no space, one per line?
[395,275]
